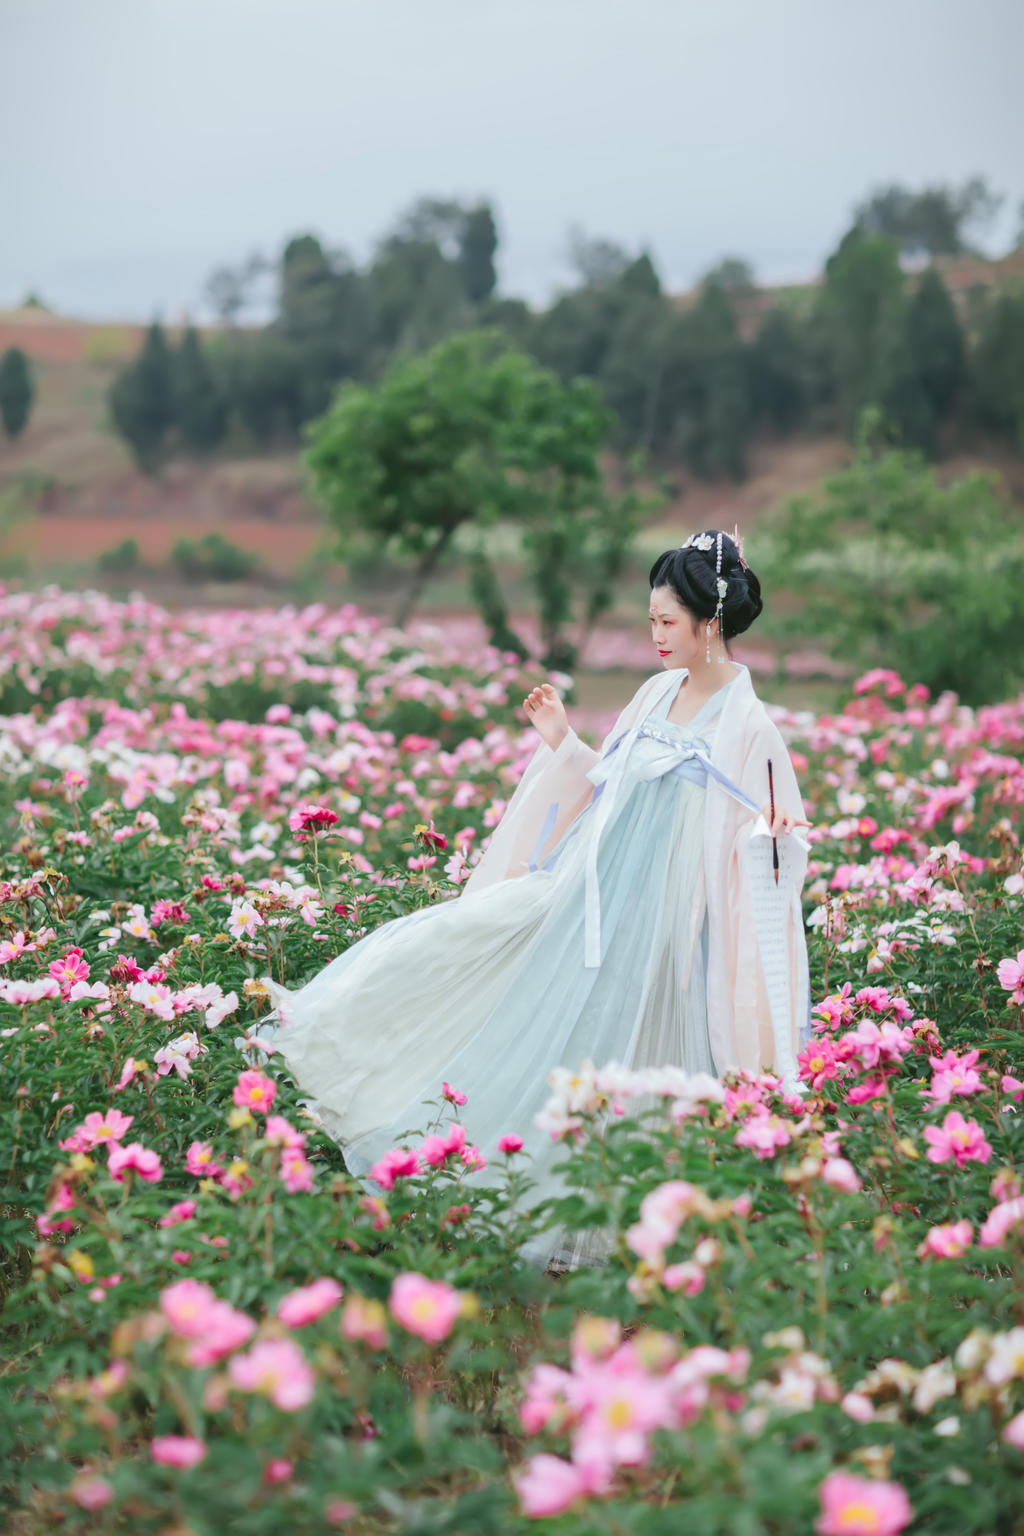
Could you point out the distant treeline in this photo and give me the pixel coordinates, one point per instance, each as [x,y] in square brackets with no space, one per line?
[689,380]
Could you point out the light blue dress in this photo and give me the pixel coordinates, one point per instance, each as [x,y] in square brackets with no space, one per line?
[489,992]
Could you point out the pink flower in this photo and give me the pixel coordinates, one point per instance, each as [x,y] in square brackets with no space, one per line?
[97,1130]
[857,1506]
[427,1308]
[306,819]
[947,1242]
[453,1095]
[1012,1086]
[687,1277]
[296,1171]
[71,967]
[764,1134]
[278,1369]
[183,1210]
[89,1491]
[254,1091]
[1010,974]
[1000,1221]
[841,1174]
[200,1161]
[145,1162]
[473,1159]
[279,1132]
[1013,1432]
[957,1138]
[309,1302]
[510,1145]
[549,1486]
[365,1320]
[177,1450]
[278,1470]
[953,1075]
[399,1163]
[194,1312]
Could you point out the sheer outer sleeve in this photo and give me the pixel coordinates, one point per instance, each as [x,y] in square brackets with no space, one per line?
[549,796]
[757,986]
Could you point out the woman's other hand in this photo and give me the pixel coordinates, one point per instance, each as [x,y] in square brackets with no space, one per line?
[784,821]
[546,712]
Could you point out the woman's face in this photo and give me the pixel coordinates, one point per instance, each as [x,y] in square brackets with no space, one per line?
[677,640]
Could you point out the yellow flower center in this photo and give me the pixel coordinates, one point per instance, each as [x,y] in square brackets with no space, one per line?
[858,1517]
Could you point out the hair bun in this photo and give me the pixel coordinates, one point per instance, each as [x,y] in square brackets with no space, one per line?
[692,573]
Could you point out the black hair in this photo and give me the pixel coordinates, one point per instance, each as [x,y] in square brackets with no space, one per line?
[691,574]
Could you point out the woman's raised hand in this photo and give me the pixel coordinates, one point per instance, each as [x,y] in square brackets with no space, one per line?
[784,821]
[546,712]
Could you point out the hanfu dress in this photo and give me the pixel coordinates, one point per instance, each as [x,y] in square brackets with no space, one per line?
[599,945]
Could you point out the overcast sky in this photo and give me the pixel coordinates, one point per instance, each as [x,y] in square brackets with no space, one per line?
[145,141]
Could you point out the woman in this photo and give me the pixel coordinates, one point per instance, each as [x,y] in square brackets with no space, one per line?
[625,910]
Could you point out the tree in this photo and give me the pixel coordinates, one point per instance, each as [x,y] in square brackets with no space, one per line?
[456,438]
[142,400]
[861,302]
[884,566]
[478,242]
[17,391]
[997,368]
[199,412]
[779,372]
[933,221]
[410,461]
[923,371]
[733,274]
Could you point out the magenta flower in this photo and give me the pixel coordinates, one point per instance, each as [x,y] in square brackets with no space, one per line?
[254,1091]
[309,1302]
[181,1451]
[957,1138]
[183,1210]
[201,1162]
[948,1241]
[145,1162]
[453,1095]
[510,1145]
[399,1163]
[277,1369]
[310,819]
[71,967]
[427,1308]
[858,1506]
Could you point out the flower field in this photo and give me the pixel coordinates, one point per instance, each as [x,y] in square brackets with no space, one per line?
[813,1318]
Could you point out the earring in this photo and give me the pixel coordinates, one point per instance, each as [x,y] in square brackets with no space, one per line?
[707,638]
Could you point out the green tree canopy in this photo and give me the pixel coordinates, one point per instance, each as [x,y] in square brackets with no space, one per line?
[934,221]
[470,432]
[142,400]
[17,391]
[886,567]
[198,403]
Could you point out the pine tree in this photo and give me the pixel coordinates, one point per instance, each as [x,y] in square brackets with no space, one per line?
[17,391]
[935,343]
[478,242]
[198,403]
[142,400]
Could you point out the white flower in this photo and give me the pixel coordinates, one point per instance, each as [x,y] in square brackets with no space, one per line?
[723,587]
[1007,1358]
